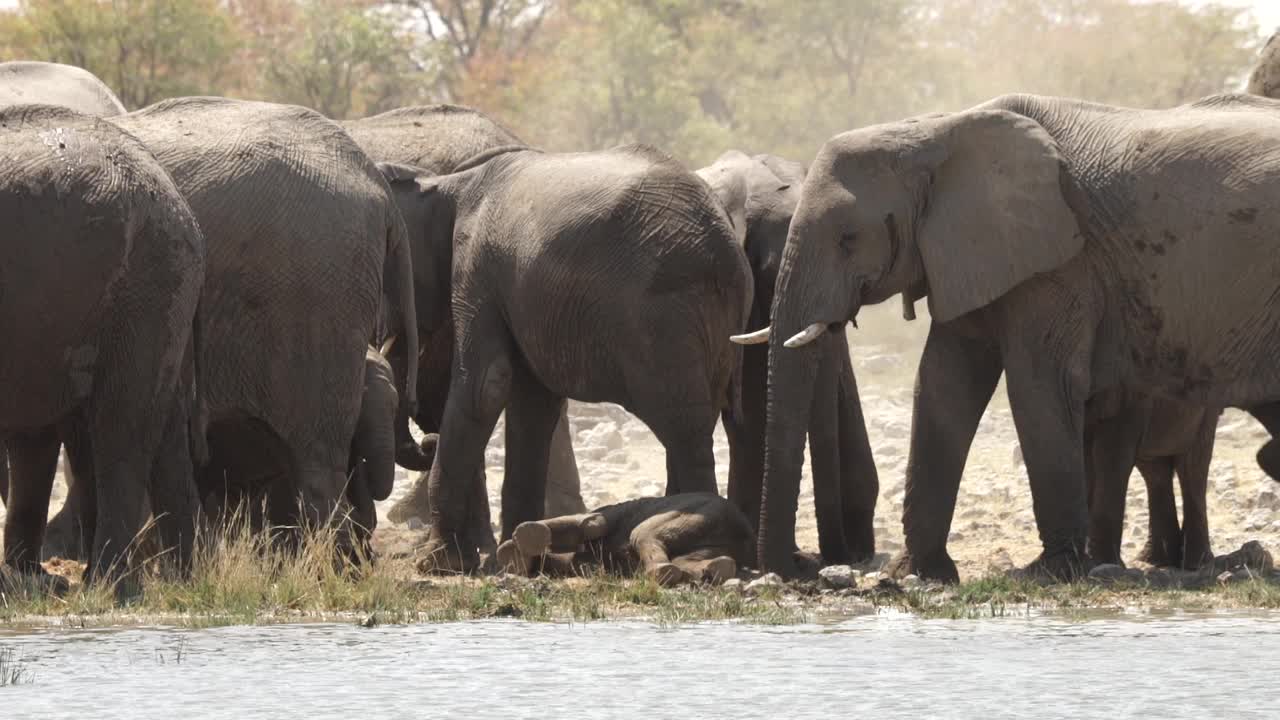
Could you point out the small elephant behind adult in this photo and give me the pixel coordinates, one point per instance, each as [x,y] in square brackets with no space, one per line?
[689,537]
[371,469]
[760,193]
[1159,436]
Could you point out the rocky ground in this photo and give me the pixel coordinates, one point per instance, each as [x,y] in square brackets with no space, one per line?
[994,528]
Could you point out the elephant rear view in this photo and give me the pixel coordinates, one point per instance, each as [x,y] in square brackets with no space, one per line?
[102,273]
[602,277]
[303,241]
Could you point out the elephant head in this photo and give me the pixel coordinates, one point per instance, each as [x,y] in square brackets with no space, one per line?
[760,194]
[961,208]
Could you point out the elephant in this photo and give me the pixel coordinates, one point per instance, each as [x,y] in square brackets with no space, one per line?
[104,262]
[760,193]
[306,248]
[437,138]
[1073,246]
[601,277]
[1264,80]
[1159,436]
[371,467]
[23,83]
[690,537]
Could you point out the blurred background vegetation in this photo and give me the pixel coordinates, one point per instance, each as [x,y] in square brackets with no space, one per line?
[691,76]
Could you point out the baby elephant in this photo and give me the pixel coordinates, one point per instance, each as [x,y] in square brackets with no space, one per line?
[690,537]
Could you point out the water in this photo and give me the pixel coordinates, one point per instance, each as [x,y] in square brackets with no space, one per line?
[873,667]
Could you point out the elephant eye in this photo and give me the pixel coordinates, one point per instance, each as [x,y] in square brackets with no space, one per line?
[847,241]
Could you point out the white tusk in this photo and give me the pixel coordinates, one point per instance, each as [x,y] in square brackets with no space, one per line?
[755,338]
[806,336]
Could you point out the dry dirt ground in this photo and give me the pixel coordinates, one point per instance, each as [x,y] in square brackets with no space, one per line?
[619,459]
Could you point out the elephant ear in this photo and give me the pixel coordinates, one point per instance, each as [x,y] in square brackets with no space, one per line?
[399,175]
[729,185]
[998,210]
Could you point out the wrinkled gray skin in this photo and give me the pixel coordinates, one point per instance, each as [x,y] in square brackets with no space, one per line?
[437,138]
[691,537]
[760,193]
[1265,78]
[1075,247]
[1159,436]
[305,244]
[102,273]
[22,83]
[603,277]
[371,469]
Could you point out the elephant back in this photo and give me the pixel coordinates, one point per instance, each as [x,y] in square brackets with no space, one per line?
[298,221]
[434,137]
[24,83]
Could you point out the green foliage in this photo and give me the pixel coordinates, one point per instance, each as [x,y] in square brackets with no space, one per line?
[693,77]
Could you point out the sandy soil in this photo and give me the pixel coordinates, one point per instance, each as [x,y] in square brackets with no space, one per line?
[619,458]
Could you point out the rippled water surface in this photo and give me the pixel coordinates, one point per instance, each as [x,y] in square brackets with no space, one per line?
[1187,666]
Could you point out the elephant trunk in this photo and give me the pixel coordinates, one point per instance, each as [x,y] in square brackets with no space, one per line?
[825,436]
[398,280]
[374,439]
[793,375]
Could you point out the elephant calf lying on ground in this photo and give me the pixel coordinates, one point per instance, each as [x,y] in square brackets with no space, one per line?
[698,537]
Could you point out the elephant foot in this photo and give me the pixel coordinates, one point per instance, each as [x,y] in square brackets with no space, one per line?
[594,527]
[447,557]
[938,567]
[667,575]
[718,570]
[532,538]
[1062,566]
[415,504]
[1152,553]
[1195,555]
[509,559]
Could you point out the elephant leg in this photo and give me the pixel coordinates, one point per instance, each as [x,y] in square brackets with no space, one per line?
[685,432]
[1164,536]
[4,474]
[1111,449]
[859,478]
[824,458]
[565,533]
[954,383]
[1193,478]
[1269,456]
[532,414]
[33,460]
[1047,399]
[713,570]
[564,486]
[476,397]
[174,503]
[82,485]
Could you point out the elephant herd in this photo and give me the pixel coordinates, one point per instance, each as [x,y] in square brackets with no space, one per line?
[217,306]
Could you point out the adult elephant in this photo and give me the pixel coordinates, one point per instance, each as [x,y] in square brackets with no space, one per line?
[760,194]
[437,138]
[22,83]
[603,277]
[1075,247]
[1265,78]
[305,246]
[102,273]
[1159,436]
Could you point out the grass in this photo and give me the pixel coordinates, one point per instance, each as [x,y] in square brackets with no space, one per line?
[12,670]
[244,578]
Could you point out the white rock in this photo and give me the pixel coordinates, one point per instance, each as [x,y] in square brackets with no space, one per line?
[415,523]
[910,581]
[732,584]
[839,576]
[1268,498]
[768,580]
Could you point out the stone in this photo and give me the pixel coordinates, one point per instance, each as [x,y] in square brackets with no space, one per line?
[733,584]
[1017,455]
[415,523]
[838,577]
[1268,498]
[911,581]
[877,364]
[768,581]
